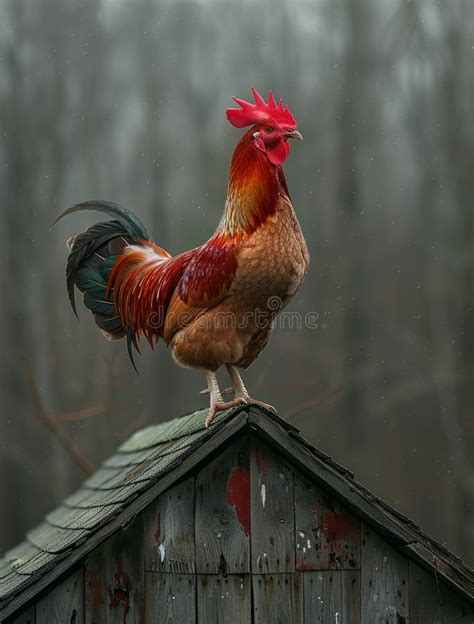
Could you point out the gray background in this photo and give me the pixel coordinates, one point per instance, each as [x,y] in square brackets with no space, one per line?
[125,100]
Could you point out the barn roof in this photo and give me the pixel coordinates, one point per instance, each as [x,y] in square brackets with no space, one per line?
[153,459]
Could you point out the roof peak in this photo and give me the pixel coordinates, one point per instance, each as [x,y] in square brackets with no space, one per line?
[169,430]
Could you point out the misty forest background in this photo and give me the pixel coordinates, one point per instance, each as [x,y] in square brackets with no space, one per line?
[125,100]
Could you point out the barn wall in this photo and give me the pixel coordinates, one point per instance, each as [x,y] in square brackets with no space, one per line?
[63,604]
[248,534]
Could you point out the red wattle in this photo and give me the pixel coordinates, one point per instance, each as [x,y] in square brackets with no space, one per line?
[278,153]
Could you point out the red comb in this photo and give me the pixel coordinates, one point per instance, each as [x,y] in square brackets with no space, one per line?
[249,114]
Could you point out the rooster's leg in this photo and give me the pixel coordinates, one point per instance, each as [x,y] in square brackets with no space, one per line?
[217,403]
[240,391]
[226,391]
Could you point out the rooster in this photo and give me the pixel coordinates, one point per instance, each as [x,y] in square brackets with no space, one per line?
[216,304]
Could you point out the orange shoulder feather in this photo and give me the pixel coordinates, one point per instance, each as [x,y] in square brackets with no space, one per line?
[144,279]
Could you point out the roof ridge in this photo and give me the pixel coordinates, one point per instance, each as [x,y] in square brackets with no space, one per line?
[173,429]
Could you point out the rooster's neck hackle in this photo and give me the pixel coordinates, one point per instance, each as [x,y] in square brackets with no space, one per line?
[254,188]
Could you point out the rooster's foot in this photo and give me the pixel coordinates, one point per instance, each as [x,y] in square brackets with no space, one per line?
[220,407]
[241,391]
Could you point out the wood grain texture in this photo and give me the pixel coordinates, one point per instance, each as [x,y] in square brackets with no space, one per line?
[322,597]
[327,536]
[432,602]
[54,539]
[445,566]
[28,616]
[223,512]
[384,582]
[114,579]
[272,522]
[277,598]
[224,600]
[169,530]
[332,597]
[351,597]
[170,598]
[65,603]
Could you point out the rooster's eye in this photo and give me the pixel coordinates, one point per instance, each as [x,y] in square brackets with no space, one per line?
[268,129]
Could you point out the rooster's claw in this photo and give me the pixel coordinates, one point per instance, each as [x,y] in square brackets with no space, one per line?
[220,407]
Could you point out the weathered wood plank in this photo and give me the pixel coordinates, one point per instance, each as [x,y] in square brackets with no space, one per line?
[272,522]
[384,582]
[332,596]
[322,597]
[224,600]
[223,512]
[169,530]
[278,598]
[327,536]
[26,617]
[350,597]
[114,579]
[170,598]
[446,566]
[65,603]
[432,602]
[13,583]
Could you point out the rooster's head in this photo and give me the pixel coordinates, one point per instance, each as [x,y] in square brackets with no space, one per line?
[273,125]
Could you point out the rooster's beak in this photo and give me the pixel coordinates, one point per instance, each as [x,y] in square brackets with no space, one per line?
[293,135]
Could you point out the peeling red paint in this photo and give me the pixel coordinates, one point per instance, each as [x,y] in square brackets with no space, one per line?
[338,527]
[301,564]
[272,540]
[95,587]
[238,495]
[157,533]
[119,595]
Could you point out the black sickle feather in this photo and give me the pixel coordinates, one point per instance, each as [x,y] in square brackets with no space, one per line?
[87,243]
[92,256]
[131,342]
[112,210]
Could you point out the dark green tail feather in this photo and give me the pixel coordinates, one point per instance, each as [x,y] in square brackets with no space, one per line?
[93,254]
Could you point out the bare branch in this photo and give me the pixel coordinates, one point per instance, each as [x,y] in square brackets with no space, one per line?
[58,431]
[310,403]
[78,415]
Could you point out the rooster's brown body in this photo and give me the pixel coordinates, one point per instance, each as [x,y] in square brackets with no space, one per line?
[216,304]
[271,266]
